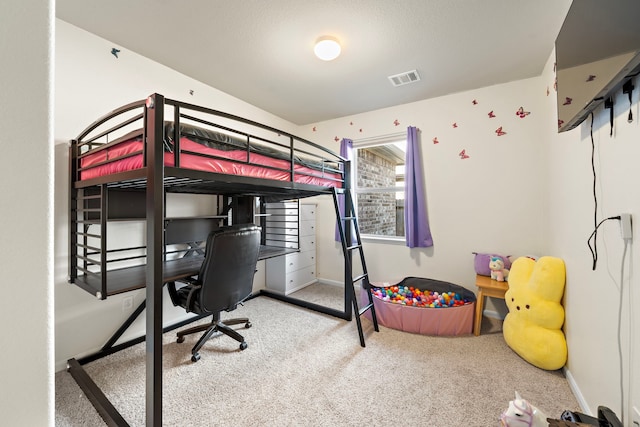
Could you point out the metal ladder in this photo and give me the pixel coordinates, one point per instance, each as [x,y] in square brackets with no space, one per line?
[347,222]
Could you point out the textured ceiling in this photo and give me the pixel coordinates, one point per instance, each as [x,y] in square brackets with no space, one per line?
[262,51]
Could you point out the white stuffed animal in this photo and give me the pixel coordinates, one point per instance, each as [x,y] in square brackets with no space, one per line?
[498,272]
[522,413]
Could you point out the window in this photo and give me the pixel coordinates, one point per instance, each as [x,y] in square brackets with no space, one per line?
[379,186]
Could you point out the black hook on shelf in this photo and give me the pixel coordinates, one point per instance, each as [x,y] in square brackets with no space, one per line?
[628,88]
[608,103]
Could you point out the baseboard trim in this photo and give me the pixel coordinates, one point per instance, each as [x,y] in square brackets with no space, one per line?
[576,392]
[492,314]
[330,282]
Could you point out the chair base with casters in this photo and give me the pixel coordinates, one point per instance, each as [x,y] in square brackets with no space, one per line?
[216,326]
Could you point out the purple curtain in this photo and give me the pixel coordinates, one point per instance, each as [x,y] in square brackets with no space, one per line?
[346,151]
[416,224]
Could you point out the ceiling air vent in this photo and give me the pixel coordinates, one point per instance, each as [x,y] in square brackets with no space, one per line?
[404,78]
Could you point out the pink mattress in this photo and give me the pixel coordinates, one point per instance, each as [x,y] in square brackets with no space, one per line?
[449,321]
[128,156]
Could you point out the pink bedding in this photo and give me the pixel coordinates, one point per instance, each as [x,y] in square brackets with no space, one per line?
[235,163]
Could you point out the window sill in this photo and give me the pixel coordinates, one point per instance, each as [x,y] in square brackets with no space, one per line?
[393,240]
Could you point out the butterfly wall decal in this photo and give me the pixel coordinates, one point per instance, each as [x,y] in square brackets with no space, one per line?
[491,115]
[500,132]
[521,113]
[567,101]
[591,78]
[474,102]
[435,140]
[455,125]
[396,122]
[463,154]
[115,52]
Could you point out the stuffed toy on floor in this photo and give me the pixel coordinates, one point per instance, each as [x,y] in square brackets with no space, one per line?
[521,413]
[532,326]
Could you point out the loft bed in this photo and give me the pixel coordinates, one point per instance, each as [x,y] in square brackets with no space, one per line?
[202,151]
[123,166]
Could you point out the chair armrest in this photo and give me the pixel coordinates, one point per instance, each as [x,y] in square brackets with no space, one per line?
[193,293]
[193,288]
[189,280]
[173,292]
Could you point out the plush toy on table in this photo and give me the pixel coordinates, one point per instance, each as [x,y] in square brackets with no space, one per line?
[498,272]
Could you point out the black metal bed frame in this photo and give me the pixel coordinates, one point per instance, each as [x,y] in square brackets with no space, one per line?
[89,204]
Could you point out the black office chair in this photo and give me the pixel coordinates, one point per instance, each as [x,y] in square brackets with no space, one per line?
[224,281]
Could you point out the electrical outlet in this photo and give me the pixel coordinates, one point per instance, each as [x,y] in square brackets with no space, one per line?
[636,417]
[625,226]
[127,303]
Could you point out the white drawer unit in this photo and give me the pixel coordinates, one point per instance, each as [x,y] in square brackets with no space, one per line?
[291,224]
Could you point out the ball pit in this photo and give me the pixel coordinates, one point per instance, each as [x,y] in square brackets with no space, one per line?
[424,306]
[408,295]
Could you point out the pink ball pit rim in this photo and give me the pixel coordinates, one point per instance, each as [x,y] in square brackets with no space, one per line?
[449,321]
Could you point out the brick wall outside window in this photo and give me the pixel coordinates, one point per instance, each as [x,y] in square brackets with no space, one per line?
[376,211]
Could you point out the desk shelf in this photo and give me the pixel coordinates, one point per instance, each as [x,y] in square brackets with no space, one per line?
[132,278]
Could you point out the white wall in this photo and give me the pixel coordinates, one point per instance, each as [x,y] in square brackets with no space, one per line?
[492,201]
[90,82]
[26,188]
[592,297]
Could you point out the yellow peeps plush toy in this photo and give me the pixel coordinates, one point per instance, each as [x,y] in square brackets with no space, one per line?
[532,327]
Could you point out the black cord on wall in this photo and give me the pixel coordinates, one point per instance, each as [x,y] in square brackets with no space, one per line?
[594,250]
[596,224]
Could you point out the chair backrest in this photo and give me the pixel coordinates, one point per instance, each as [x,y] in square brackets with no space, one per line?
[230,262]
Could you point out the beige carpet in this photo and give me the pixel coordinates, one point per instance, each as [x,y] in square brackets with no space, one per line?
[303,368]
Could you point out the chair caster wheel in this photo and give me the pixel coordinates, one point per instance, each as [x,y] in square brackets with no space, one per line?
[243,345]
[195,357]
[180,339]
[247,325]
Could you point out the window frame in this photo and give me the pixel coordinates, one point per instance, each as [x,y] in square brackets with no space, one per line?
[367,143]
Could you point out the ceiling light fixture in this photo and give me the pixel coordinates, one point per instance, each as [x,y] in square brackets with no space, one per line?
[327,48]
